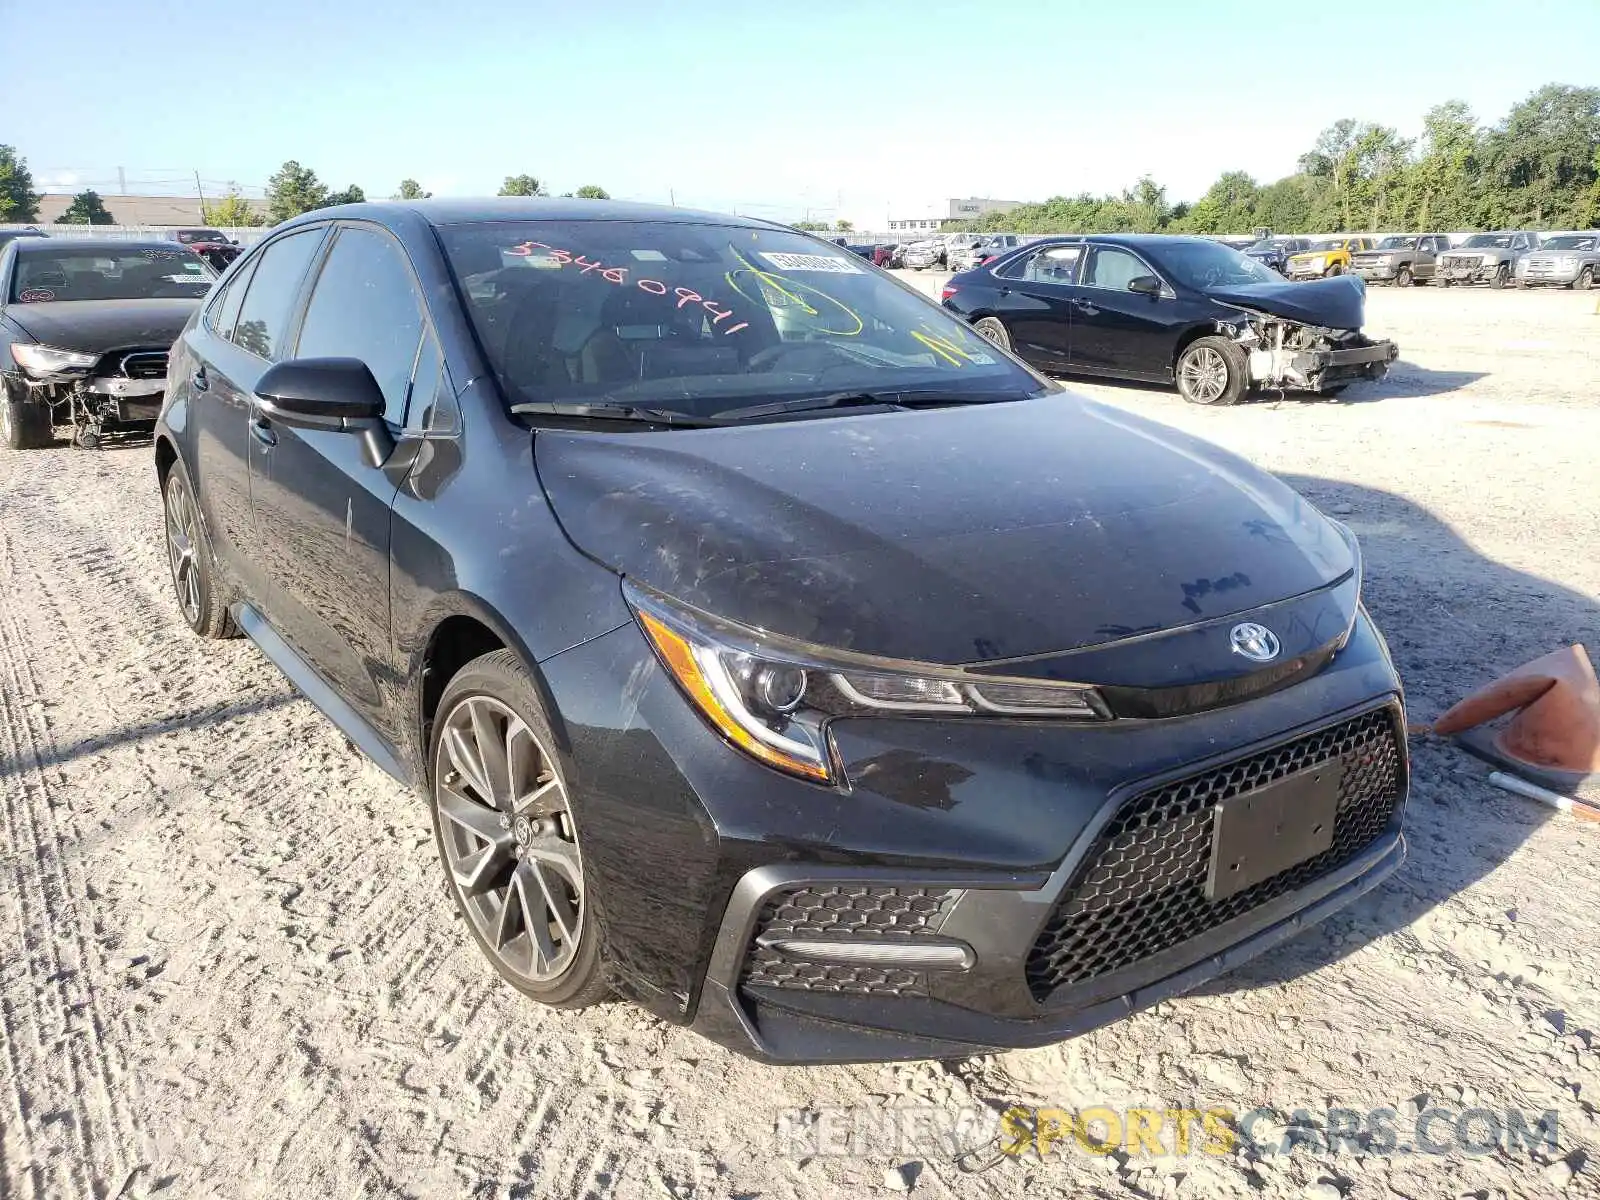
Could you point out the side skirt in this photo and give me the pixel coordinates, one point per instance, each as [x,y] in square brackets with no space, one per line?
[315,689]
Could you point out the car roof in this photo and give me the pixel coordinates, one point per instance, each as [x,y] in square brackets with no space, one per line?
[56,245]
[529,208]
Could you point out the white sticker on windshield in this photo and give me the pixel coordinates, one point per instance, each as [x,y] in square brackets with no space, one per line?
[812,262]
[648,255]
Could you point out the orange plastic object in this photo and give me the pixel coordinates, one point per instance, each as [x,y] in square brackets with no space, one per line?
[1558,725]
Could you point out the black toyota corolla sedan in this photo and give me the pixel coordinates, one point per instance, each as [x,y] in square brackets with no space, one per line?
[770,648]
[1164,309]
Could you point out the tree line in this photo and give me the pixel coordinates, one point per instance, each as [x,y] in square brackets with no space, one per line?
[293,189]
[1538,168]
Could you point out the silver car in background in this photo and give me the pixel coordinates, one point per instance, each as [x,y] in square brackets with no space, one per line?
[1570,260]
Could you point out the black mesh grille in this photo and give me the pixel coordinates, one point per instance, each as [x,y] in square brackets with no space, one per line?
[845,911]
[1141,888]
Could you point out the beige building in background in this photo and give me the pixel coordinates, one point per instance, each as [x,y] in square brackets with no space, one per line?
[137,210]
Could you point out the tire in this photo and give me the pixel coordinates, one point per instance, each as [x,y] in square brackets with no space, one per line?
[1403,277]
[1333,271]
[1442,282]
[189,557]
[1502,276]
[24,425]
[993,330]
[1585,280]
[1200,362]
[1332,393]
[1522,285]
[511,864]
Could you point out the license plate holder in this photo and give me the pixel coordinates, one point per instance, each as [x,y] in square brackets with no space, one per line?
[1269,829]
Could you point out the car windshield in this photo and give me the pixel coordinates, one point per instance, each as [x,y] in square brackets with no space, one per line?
[1488,241]
[1329,244]
[1398,242]
[200,235]
[1210,264]
[1570,242]
[698,318]
[1268,244]
[137,273]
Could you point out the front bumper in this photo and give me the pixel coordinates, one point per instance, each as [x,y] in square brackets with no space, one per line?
[1481,273]
[129,400]
[1540,275]
[968,839]
[1317,370]
[1379,272]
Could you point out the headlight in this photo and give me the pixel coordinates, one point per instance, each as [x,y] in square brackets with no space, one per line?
[1388,260]
[40,361]
[773,697]
[1567,262]
[1317,260]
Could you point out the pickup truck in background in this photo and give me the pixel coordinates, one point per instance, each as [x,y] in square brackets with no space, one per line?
[1402,259]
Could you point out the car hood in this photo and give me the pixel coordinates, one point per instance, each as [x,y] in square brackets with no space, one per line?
[1337,303]
[1485,251]
[95,326]
[953,535]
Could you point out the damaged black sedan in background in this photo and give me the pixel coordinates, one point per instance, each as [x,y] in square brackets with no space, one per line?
[85,325]
[1167,309]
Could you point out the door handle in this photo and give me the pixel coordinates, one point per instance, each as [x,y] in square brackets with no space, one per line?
[201,383]
[263,432]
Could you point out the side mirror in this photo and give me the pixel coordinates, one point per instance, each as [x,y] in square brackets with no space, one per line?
[1145,285]
[338,395]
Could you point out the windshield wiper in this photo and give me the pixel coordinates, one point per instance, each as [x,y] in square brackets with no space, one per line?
[611,412]
[902,399]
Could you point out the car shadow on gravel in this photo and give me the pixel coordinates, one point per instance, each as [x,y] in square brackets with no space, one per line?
[101,742]
[1454,619]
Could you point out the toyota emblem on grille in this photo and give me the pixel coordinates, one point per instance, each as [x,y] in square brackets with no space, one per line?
[1255,642]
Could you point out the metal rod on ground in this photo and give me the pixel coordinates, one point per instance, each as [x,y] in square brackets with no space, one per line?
[1555,800]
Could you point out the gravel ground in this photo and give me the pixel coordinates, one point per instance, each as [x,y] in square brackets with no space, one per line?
[230,969]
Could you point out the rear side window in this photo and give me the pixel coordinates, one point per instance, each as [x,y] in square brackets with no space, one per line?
[269,302]
[1054,264]
[224,311]
[365,306]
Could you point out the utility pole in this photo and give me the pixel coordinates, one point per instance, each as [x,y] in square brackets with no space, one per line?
[122,182]
[198,191]
[672,197]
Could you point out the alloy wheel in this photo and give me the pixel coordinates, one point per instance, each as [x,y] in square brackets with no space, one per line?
[992,330]
[508,838]
[1203,375]
[183,541]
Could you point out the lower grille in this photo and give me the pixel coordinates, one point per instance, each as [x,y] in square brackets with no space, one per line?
[853,912]
[1141,888]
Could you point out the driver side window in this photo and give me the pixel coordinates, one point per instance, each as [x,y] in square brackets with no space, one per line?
[1113,269]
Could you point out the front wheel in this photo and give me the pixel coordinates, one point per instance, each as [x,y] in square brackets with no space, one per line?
[1211,370]
[1402,277]
[504,825]
[1585,279]
[992,329]
[1336,269]
[1501,277]
[24,425]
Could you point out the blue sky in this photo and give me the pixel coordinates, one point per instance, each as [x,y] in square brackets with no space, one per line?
[856,109]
